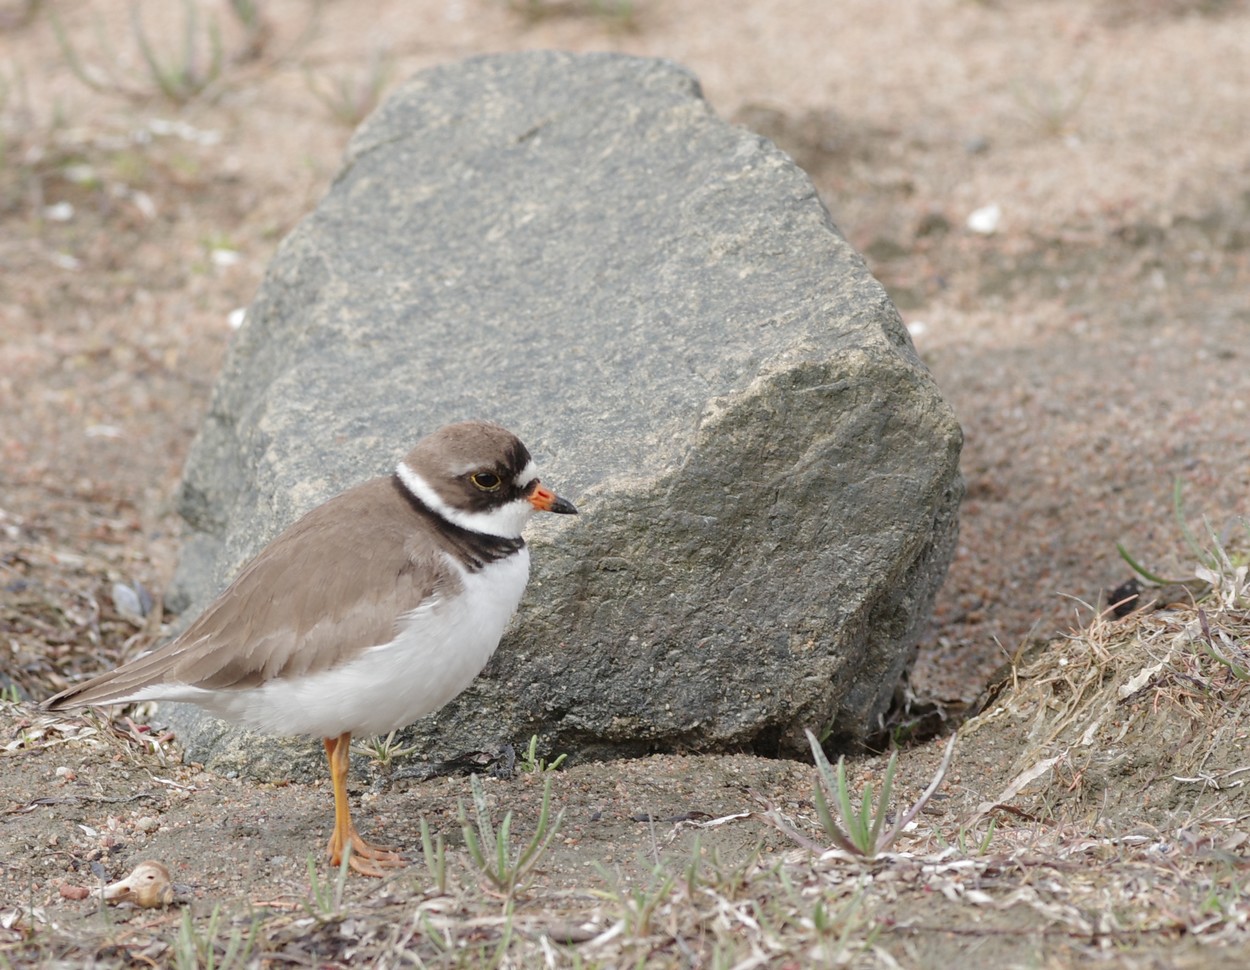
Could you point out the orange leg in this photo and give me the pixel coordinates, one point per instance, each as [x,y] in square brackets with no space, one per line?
[369,860]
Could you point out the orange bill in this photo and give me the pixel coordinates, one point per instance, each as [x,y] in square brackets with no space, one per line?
[545,500]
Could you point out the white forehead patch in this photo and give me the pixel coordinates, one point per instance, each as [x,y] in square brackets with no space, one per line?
[527,474]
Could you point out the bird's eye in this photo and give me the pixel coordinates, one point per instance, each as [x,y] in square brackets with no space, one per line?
[486,481]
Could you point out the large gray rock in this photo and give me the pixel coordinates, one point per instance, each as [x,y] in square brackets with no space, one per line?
[659,305]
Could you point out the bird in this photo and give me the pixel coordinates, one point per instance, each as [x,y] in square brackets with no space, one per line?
[372,610]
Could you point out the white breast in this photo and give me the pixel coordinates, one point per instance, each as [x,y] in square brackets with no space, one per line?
[440,647]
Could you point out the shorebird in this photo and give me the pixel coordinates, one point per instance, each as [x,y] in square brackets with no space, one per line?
[371,611]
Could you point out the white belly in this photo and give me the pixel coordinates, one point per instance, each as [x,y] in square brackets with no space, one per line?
[438,651]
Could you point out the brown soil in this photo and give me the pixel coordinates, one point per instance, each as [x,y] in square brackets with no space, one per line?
[1094,346]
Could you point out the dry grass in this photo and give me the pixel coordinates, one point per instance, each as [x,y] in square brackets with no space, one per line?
[61,616]
[1143,714]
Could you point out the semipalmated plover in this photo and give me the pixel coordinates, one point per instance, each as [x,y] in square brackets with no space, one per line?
[372,610]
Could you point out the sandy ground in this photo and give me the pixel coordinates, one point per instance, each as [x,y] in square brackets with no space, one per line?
[1089,323]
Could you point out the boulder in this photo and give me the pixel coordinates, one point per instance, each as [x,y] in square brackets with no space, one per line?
[657,302]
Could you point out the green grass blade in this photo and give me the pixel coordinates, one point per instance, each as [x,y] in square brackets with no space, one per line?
[883,802]
[1191,540]
[842,792]
[1138,568]
[863,824]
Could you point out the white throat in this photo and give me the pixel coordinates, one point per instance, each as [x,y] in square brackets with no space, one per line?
[505,521]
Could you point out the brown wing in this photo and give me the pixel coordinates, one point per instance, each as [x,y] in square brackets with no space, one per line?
[333,584]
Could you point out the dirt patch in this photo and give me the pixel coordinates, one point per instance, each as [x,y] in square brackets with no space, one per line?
[1093,810]
[1092,344]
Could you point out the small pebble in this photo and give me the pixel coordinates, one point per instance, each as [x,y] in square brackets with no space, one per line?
[986,219]
[126,602]
[59,212]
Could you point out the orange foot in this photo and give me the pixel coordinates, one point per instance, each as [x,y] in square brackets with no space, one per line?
[365,858]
